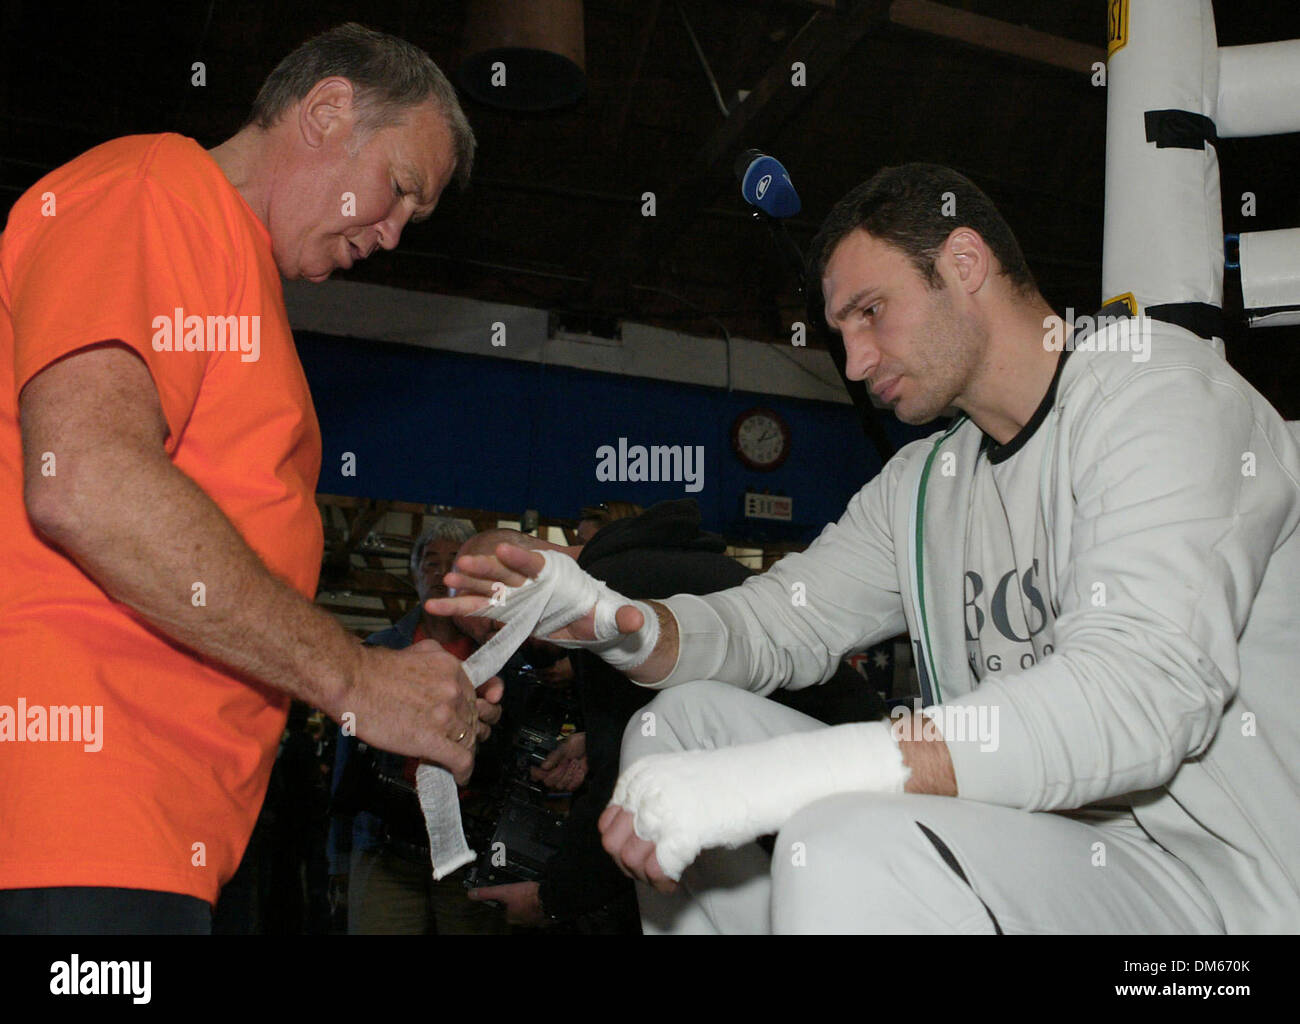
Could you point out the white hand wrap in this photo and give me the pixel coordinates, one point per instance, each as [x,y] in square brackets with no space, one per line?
[440,804]
[686,802]
[562,593]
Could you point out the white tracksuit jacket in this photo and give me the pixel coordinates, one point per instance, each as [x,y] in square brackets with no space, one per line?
[1177,485]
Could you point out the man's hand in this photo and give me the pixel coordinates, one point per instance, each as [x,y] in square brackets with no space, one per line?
[686,801]
[419,702]
[645,650]
[634,856]
[513,566]
[565,767]
[521,900]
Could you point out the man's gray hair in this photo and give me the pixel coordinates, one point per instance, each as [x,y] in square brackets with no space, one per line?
[389,74]
[438,528]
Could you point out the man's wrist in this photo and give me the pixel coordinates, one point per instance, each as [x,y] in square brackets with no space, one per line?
[662,662]
[339,664]
[925,753]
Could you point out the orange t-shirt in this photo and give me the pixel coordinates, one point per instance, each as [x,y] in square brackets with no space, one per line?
[132,241]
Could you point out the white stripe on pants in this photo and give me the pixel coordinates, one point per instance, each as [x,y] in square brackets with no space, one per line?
[862,863]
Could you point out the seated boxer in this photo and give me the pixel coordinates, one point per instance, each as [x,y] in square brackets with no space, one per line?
[1098,564]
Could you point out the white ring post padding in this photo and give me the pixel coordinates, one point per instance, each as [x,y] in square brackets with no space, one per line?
[1163,221]
[1259,89]
[1270,275]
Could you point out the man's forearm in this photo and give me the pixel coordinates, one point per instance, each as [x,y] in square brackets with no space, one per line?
[147,534]
[664,657]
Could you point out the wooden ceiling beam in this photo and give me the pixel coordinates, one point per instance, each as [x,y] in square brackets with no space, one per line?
[991,34]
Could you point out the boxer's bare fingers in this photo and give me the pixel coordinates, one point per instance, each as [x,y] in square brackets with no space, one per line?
[521,560]
[448,606]
[630,851]
[470,584]
[488,567]
[637,853]
[655,875]
[615,828]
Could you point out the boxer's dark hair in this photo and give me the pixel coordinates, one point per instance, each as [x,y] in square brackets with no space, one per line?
[904,206]
[389,75]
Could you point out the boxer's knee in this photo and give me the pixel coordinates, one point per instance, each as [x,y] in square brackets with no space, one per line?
[860,862]
[684,717]
[851,837]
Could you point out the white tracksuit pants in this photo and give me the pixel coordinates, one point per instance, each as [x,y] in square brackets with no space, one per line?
[904,863]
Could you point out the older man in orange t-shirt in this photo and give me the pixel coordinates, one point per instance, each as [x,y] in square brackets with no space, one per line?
[158,457]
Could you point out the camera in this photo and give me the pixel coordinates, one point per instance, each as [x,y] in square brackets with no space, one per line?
[524,825]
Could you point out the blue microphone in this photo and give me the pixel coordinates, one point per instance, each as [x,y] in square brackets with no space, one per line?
[765,184]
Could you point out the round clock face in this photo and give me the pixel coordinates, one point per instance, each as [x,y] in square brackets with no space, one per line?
[761,439]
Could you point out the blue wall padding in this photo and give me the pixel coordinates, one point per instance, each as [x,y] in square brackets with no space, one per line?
[440,427]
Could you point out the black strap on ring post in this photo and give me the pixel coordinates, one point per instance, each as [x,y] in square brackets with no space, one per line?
[1180,129]
[1198,317]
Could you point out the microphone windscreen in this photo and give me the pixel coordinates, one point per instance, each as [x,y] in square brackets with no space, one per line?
[766,185]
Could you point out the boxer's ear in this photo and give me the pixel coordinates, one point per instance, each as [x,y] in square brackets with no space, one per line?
[968,256]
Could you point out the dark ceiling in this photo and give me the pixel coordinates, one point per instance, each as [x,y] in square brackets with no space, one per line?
[553,217]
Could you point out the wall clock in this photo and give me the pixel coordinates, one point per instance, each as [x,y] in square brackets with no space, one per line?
[760,438]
